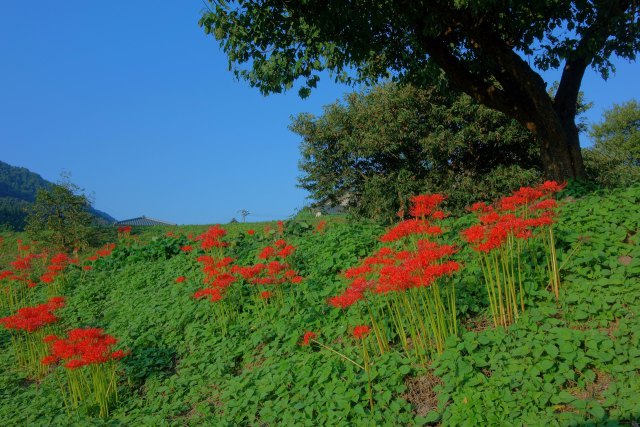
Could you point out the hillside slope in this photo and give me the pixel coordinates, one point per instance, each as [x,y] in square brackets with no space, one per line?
[18,188]
[575,361]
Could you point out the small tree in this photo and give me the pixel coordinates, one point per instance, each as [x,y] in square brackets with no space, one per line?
[614,159]
[60,217]
[379,147]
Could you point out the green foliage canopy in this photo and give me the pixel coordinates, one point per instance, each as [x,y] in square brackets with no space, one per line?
[491,50]
[614,158]
[387,144]
[60,217]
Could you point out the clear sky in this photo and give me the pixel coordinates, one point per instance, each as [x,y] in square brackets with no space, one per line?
[138,104]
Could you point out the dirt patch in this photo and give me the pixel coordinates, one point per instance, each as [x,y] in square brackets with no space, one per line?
[478,324]
[420,393]
[625,259]
[596,389]
[611,329]
[629,237]
[257,361]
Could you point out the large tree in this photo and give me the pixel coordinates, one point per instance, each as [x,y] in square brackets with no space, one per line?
[492,50]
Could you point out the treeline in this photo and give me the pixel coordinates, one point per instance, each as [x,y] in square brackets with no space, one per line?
[18,189]
[379,147]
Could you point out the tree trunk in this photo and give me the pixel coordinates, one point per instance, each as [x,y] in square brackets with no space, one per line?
[560,151]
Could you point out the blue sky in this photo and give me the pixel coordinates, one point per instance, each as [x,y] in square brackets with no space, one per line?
[137,103]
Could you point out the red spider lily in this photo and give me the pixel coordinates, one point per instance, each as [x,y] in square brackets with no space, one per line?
[181,279]
[22,263]
[57,265]
[351,295]
[251,232]
[424,205]
[33,318]
[408,228]
[266,295]
[481,207]
[213,294]
[361,331]
[212,238]
[186,248]
[82,347]
[286,251]
[321,226]
[544,205]
[307,337]
[267,253]
[550,187]
[280,227]
[5,274]
[106,250]
[86,267]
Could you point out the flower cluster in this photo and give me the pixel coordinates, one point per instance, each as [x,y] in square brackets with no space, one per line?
[82,347]
[23,263]
[217,276]
[106,250]
[307,337]
[30,319]
[401,281]
[212,238]
[56,266]
[275,270]
[90,365]
[361,331]
[498,239]
[124,231]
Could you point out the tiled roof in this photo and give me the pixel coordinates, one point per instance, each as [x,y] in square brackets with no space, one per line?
[142,221]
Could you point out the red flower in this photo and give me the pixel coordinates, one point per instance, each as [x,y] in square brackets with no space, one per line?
[6,273]
[214,294]
[361,331]
[33,318]
[251,232]
[186,248]
[181,279]
[308,336]
[212,238]
[87,267]
[549,187]
[267,253]
[82,347]
[265,295]
[408,228]
[423,205]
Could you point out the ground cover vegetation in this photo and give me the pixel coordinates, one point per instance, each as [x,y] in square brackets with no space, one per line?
[523,311]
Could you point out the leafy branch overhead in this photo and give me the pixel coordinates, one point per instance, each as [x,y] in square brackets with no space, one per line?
[485,48]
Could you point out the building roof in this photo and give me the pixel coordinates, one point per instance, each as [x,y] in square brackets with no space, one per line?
[143,221]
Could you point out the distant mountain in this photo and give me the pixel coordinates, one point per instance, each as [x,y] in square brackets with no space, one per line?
[18,188]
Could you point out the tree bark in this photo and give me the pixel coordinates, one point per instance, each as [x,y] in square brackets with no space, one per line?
[523,96]
[507,83]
